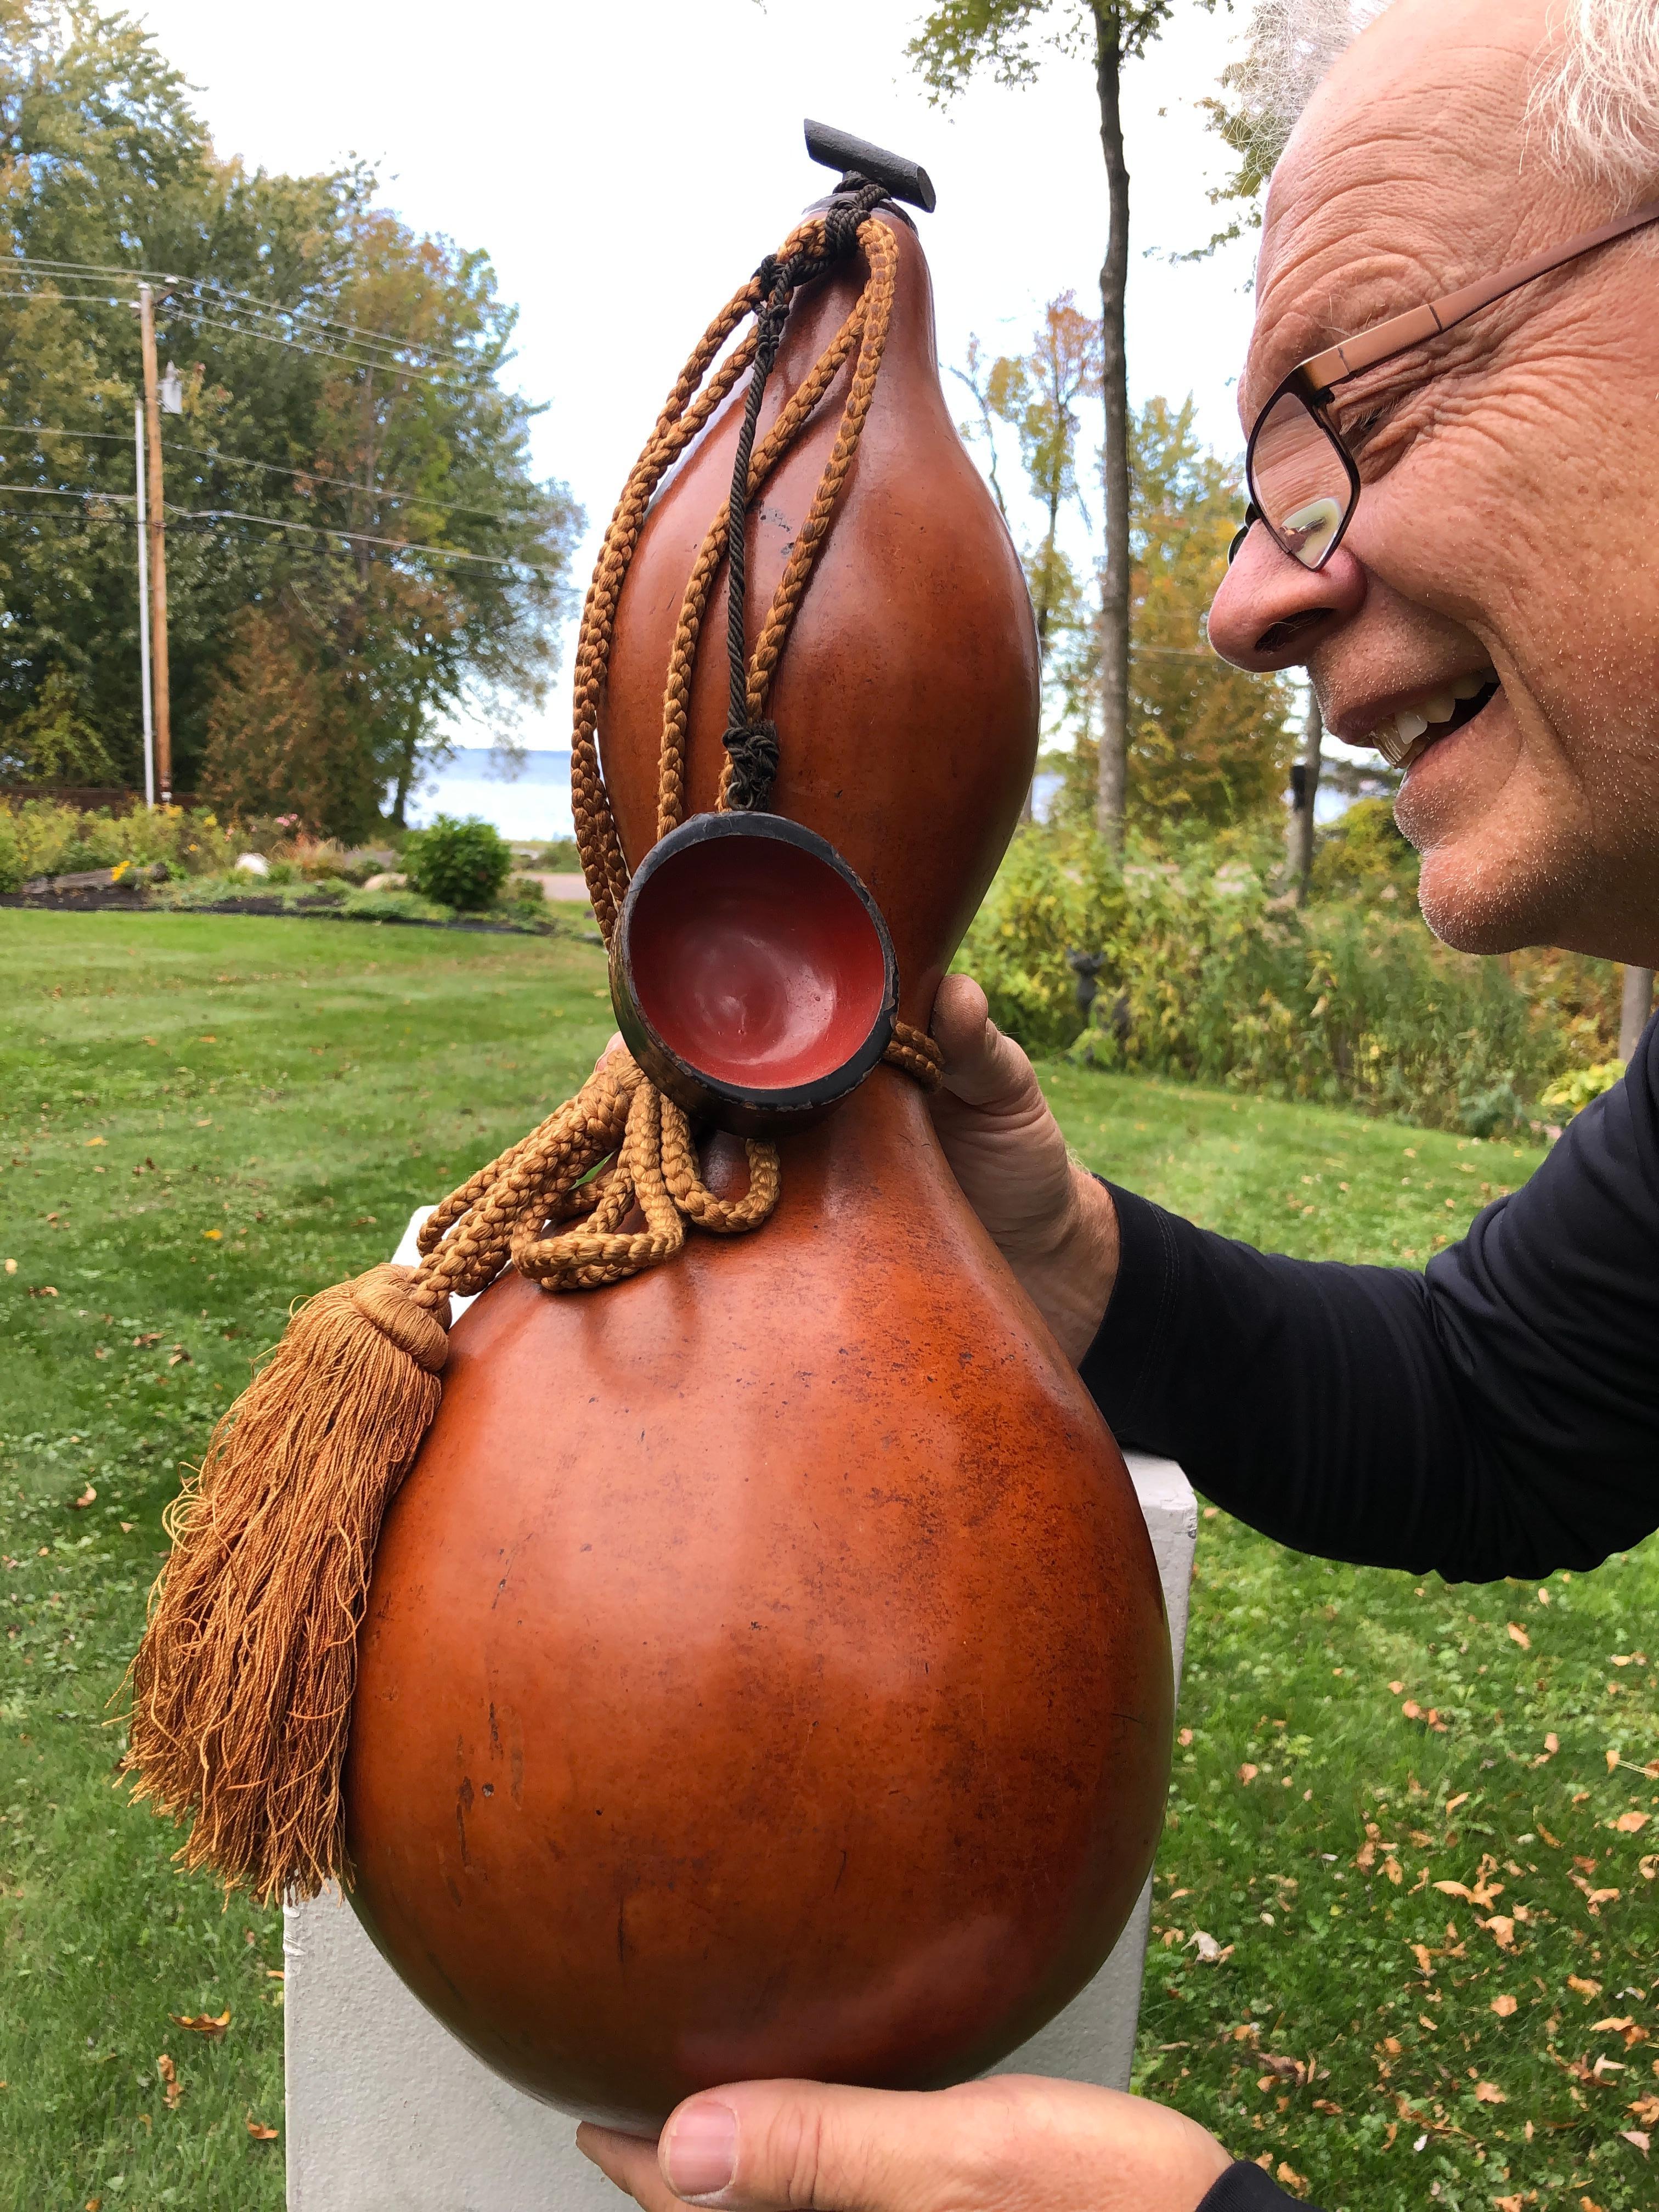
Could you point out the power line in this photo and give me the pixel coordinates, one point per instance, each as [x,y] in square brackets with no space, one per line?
[199,514]
[356,537]
[227,292]
[308,346]
[272,468]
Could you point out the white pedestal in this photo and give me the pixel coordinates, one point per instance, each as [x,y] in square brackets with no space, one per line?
[385,2109]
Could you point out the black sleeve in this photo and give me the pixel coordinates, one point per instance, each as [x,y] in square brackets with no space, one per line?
[1496,1415]
[1246,2188]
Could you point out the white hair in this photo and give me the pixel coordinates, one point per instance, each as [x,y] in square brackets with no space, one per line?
[1594,99]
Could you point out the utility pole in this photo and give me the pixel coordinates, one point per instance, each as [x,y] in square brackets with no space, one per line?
[144,600]
[157,542]
[1633,1012]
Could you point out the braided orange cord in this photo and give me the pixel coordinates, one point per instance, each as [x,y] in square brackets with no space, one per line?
[725,1217]
[682,417]
[671,768]
[603,862]
[540,1207]
[914,1051]
[882,254]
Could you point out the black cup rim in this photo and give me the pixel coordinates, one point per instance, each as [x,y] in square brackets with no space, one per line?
[745,1110]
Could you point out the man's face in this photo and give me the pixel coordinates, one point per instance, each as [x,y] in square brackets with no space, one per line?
[1509,519]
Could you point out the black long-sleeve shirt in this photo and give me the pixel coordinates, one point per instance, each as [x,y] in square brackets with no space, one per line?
[1496,1415]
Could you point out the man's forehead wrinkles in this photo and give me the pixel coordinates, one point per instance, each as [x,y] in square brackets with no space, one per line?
[1333,286]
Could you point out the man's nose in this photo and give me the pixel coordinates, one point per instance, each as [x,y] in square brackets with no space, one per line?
[1271,612]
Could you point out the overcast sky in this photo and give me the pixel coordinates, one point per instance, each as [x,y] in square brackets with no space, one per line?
[625,165]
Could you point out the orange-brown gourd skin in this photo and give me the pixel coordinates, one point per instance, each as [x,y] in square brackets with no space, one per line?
[765,1671]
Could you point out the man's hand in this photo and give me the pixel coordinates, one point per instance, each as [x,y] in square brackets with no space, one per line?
[1054,1225]
[1010,2144]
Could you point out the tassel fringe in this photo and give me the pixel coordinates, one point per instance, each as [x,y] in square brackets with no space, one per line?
[242,1687]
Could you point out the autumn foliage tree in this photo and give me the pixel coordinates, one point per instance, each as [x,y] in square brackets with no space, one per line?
[1007,39]
[350,490]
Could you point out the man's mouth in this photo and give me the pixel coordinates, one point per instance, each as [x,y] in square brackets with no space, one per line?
[1405,736]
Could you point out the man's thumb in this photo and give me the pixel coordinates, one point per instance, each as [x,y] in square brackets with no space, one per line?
[808,2144]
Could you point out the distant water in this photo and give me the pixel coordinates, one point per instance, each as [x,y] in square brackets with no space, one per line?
[533,804]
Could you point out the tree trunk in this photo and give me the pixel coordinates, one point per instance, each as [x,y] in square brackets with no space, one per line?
[406,766]
[1114,590]
[1304,788]
[1637,1006]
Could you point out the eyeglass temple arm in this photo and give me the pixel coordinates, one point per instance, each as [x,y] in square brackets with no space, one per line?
[1401,332]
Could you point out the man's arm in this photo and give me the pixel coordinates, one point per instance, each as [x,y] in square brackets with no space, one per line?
[1499,1415]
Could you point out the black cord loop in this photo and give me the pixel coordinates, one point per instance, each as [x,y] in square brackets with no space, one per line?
[753,746]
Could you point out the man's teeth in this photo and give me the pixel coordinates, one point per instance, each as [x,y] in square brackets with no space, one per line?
[1400,733]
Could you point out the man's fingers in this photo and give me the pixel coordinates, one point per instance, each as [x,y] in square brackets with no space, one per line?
[982,1066]
[630,2163]
[809,2145]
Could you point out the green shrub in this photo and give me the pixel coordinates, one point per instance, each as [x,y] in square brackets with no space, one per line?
[459,864]
[55,840]
[12,871]
[1218,983]
[561,858]
[1571,1093]
[1054,893]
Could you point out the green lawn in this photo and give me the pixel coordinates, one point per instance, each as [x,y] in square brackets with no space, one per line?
[222,1113]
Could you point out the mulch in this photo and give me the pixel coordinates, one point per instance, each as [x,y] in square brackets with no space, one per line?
[118,898]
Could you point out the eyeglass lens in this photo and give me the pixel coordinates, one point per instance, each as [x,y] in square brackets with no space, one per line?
[1299,481]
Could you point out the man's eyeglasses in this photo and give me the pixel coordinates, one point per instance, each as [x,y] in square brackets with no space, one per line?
[1302,479]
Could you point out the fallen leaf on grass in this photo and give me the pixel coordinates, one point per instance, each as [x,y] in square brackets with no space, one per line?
[1291,2179]
[203,2023]
[1395,1689]
[1518,1635]
[11,1267]
[1186,1738]
[1488,2093]
[1610,2027]
[1508,2204]
[1501,1929]
[1646,2109]
[213,1236]
[1631,1824]
[1584,1987]
[1639,2136]
[1649,1866]
[1504,2006]
[91,1141]
[1209,1951]
[179,1357]
[1613,1758]
[1299,2071]
[260,2132]
[88,1497]
[174,2089]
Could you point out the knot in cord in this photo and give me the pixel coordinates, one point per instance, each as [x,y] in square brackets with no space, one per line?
[382,1296]
[751,744]
[752,755]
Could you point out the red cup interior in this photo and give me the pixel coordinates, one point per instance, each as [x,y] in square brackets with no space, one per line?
[756,963]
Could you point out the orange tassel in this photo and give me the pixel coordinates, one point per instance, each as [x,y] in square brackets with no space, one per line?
[242,1687]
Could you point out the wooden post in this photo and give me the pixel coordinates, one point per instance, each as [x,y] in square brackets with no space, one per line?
[1634,1009]
[156,534]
